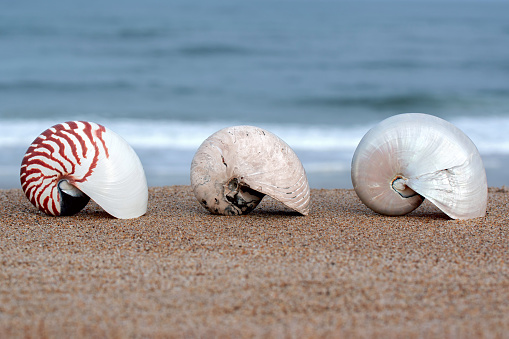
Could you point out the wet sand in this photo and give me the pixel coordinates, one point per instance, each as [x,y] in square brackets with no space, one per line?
[342,271]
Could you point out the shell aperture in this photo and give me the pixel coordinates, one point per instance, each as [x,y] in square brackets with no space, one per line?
[236,167]
[75,161]
[413,156]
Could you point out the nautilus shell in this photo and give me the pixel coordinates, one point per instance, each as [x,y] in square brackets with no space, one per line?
[411,157]
[73,162]
[236,167]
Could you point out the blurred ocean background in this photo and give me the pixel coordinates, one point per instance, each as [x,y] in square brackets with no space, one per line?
[319,74]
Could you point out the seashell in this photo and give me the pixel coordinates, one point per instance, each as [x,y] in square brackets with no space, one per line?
[411,157]
[72,162]
[236,167]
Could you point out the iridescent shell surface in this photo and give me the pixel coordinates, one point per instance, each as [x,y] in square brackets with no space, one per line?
[411,157]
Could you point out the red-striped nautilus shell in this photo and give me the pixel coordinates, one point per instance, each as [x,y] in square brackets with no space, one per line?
[75,161]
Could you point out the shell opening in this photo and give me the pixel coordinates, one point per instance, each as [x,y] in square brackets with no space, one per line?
[233,184]
[72,200]
[399,185]
[241,197]
[69,189]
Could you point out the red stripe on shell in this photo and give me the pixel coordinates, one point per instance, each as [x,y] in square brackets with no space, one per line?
[51,143]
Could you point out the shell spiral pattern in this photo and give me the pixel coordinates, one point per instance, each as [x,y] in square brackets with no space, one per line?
[236,167]
[72,162]
[411,157]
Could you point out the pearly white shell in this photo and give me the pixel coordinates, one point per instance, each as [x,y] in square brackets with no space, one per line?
[409,157]
[235,167]
[72,162]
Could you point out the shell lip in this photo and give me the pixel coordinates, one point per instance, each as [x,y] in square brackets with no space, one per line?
[72,200]
[400,185]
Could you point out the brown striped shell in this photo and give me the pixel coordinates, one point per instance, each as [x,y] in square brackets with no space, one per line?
[72,162]
[237,166]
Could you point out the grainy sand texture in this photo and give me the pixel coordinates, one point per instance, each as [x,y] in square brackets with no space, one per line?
[343,271]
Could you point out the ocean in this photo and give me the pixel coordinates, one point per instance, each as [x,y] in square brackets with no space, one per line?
[319,74]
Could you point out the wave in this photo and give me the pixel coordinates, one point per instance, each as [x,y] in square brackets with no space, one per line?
[207,50]
[488,133]
[166,148]
[188,135]
[400,102]
[38,85]
[141,32]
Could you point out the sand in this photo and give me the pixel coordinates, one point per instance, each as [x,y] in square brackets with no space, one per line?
[342,271]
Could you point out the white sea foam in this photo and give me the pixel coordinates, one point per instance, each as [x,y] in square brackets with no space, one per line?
[166,148]
[490,134]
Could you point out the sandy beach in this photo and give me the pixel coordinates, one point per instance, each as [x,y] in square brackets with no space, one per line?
[178,271]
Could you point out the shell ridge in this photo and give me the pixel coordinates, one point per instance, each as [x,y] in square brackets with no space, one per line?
[52,137]
[38,158]
[446,198]
[99,134]
[46,191]
[63,145]
[73,140]
[39,166]
[56,198]
[94,149]
[289,187]
[76,128]
[302,199]
[33,179]
[292,201]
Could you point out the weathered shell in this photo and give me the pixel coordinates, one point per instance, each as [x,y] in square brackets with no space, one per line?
[409,157]
[235,167]
[72,162]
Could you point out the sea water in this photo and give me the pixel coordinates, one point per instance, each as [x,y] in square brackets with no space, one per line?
[319,74]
